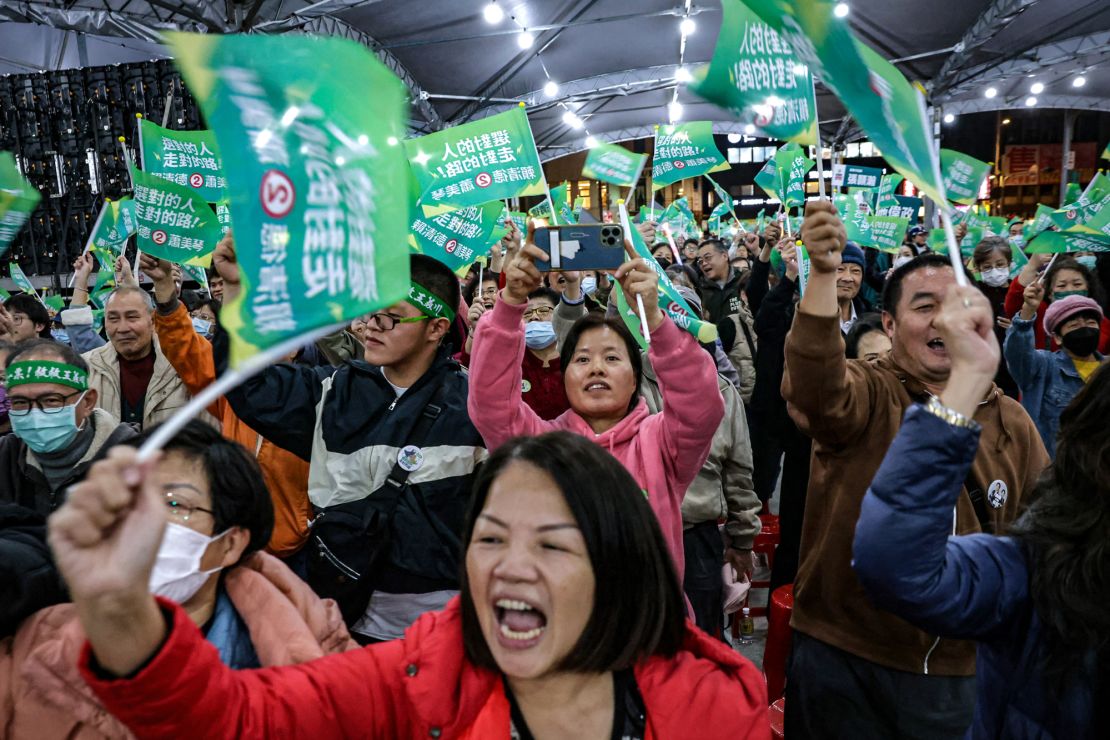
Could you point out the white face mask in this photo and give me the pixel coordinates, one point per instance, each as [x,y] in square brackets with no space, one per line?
[995,277]
[589,285]
[177,575]
[899,261]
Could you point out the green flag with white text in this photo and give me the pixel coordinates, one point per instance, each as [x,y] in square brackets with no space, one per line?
[756,75]
[318,184]
[613,164]
[490,159]
[793,165]
[21,280]
[190,159]
[1060,241]
[172,222]
[115,224]
[17,200]
[963,176]
[684,150]
[887,185]
[457,238]
[888,232]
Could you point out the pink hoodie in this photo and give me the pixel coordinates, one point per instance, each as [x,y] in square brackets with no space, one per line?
[664,452]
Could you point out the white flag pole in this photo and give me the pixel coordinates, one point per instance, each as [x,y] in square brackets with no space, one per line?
[945,217]
[626,224]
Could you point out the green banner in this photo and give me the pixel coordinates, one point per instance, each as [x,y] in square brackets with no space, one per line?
[684,150]
[190,159]
[459,237]
[963,176]
[223,215]
[856,216]
[793,165]
[17,200]
[115,224]
[490,159]
[887,186]
[888,233]
[854,176]
[558,198]
[172,222]
[21,280]
[614,164]
[769,180]
[755,75]
[722,195]
[903,206]
[1059,241]
[317,183]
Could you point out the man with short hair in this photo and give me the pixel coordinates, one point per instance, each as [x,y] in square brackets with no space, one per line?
[541,372]
[919,238]
[857,671]
[354,425]
[720,287]
[849,279]
[57,429]
[23,317]
[134,380]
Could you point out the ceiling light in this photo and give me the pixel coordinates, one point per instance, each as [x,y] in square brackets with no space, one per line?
[551,89]
[990,92]
[687,26]
[683,75]
[1079,81]
[734,138]
[749,129]
[1030,101]
[525,40]
[949,118]
[1005,121]
[841,10]
[799,69]
[571,119]
[674,111]
[591,142]
[493,12]
[1036,88]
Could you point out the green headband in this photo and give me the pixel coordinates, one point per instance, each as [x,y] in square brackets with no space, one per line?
[428,304]
[44,371]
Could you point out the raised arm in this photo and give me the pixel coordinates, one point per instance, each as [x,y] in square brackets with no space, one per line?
[965,586]
[1025,363]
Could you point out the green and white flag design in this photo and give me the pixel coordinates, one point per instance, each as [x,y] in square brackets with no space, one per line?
[317,182]
[491,159]
[190,159]
[754,74]
[887,186]
[963,176]
[114,226]
[793,165]
[888,232]
[172,222]
[614,164]
[458,238]
[22,281]
[1061,241]
[684,150]
[17,200]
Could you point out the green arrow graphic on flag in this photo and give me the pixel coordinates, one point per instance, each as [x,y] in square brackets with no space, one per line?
[172,222]
[684,150]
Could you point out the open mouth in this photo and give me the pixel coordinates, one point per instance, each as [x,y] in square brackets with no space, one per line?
[597,385]
[937,344]
[520,623]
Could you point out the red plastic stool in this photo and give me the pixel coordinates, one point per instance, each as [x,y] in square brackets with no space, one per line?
[775,715]
[777,650]
[765,543]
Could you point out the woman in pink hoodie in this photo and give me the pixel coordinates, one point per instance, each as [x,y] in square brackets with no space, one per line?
[601,371]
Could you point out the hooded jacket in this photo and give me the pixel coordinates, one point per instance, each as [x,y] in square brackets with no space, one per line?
[22,481]
[663,452]
[43,695]
[971,587]
[853,410]
[286,475]
[421,686]
[719,301]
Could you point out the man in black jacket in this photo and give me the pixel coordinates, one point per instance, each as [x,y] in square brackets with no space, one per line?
[352,423]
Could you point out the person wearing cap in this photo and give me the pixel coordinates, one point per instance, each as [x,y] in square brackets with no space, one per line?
[919,238]
[849,279]
[354,425]
[1049,380]
[57,428]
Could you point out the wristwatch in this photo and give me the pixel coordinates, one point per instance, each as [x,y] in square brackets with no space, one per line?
[953,417]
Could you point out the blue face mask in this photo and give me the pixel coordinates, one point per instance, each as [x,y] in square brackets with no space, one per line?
[589,285]
[201,326]
[539,334]
[1087,260]
[44,432]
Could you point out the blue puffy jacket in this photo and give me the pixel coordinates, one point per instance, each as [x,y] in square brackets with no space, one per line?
[971,587]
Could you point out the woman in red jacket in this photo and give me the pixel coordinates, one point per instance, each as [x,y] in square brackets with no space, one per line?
[1067,276]
[569,624]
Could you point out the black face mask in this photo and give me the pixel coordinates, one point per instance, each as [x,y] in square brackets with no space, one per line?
[1081,342]
[663,262]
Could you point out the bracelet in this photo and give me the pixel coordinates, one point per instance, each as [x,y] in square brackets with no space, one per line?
[953,417]
[569,302]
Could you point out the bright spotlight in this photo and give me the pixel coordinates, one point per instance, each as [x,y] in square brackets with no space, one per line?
[493,12]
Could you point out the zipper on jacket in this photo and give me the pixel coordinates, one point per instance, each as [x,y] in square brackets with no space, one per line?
[393,404]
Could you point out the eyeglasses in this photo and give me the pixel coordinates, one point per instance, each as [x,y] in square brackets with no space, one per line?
[387,321]
[182,511]
[539,312]
[705,260]
[490,292]
[50,403]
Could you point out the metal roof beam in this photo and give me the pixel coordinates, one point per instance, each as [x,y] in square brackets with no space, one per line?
[997,16]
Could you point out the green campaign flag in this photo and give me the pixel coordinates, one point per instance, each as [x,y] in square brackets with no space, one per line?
[722,195]
[769,180]
[21,280]
[104,279]
[317,183]
[854,176]
[756,75]
[196,273]
[963,176]
[457,238]
[629,317]
[223,215]
[684,150]
[887,186]
[1106,152]
[172,222]
[490,159]
[876,94]
[614,164]
[804,268]
[857,223]
[793,165]
[189,158]
[521,220]
[1061,241]
[4,295]
[903,206]
[114,226]
[1019,259]
[55,302]
[679,216]
[558,198]
[17,200]
[1071,193]
[888,232]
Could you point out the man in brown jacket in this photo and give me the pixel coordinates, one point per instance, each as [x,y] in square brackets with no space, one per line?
[856,671]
